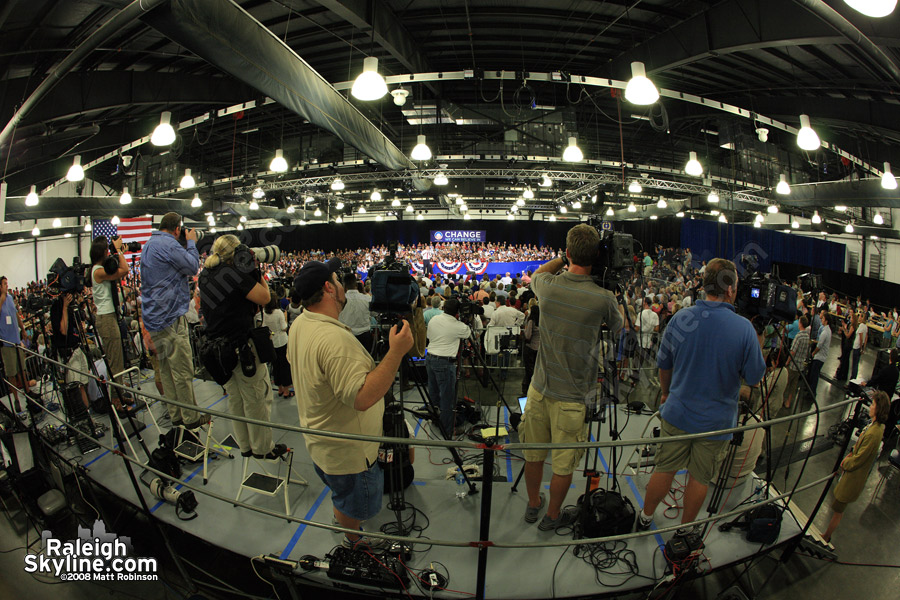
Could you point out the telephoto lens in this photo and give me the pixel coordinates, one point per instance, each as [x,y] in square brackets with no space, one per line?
[267,254]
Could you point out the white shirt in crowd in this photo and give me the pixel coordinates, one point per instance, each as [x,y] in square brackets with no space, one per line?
[277,324]
[823,344]
[685,302]
[507,316]
[506,280]
[489,309]
[862,334]
[356,313]
[647,321]
[444,334]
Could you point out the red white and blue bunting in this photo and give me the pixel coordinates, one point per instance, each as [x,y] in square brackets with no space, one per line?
[476,267]
[449,268]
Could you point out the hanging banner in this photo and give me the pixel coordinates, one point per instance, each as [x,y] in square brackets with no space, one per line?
[476,267]
[458,236]
[449,268]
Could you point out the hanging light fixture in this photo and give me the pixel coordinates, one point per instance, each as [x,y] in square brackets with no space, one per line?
[379,218]
[552,218]
[258,193]
[661,203]
[635,188]
[278,164]
[514,208]
[243,219]
[32,198]
[115,220]
[88,227]
[369,84]
[76,172]
[594,199]
[773,209]
[679,214]
[609,211]
[878,219]
[631,207]
[467,216]
[240,227]
[757,224]
[395,202]
[653,217]
[340,219]
[795,224]
[196,202]
[873,8]
[714,213]
[783,188]
[212,229]
[546,181]
[463,207]
[713,197]
[572,152]
[362,210]
[337,185]
[528,194]
[510,217]
[888,181]
[693,166]
[849,228]
[339,205]
[290,209]
[36,231]
[816,219]
[722,219]
[409,208]
[254,205]
[187,182]
[269,224]
[125,198]
[302,222]
[421,151]
[840,208]
[420,217]
[57,222]
[806,137]
[576,205]
[318,212]
[520,202]
[164,134]
[563,209]
[375,196]
[640,90]
[440,179]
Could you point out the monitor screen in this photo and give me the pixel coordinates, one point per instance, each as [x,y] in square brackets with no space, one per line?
[522,401]
[754,292]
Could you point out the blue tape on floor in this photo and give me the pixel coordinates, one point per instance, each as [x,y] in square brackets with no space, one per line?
[418,426]
[302,527]
[217,401]
[640,501]
[418,483]
[179,486]
[509,476]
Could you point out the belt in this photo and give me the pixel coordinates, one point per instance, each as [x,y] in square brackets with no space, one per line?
[450,358]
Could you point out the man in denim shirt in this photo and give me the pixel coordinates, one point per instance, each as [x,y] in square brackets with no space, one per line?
[165,296]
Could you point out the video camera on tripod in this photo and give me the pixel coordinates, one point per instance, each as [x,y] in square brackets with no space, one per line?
[393,288]
[615,258]
[764,295]
[63,279]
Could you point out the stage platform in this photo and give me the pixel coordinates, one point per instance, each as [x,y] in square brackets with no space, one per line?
[511,572]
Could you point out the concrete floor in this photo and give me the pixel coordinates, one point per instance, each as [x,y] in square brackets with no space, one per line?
[866,535]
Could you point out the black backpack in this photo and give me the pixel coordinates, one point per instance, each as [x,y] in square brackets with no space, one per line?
[603,513]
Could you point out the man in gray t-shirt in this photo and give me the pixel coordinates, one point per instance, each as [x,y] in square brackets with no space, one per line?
[573,310]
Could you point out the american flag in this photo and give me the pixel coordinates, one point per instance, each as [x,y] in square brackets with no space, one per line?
[131,230]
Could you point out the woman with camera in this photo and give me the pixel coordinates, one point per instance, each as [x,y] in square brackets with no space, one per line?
[231,292]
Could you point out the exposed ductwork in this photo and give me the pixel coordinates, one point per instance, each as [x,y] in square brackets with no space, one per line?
[226,36]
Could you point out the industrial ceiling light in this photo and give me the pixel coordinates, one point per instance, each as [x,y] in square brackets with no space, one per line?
[68,235]
[722,219]
[783,188]
[212,230]
[379,218]
[510,217]
[254,205]
[399,95]
[337,185]
[409,208]
[258,194]
[464,207]
[164,134]
[57,222]
[421,151]
[362,210]
[196,202]
[653,217]
[340,219]
[87,227]
[693,166]
[572,152]
[528,194]
[714,213]
[546,181]
[888,181]
[849,228]
[375,196]
[873,8]
[278,164]
[563,209]
[576,205]
[840,208]
[773,209]
[632,208]
[36,231]
[318,212]
[243,219]
[757,224]
[302,222]
[552,218]
[440,179]
[125,198]
[187,182]
[759,218]
[420,217]
[661,203]
[76,172]
[339,205]
[467,216]
[640,90]
[679,214]
[520,202]
[395,202]
[816,219]
[610,212]
[594,199]
[878,219]
[269,224]
[369,84]
[115,220]
[32,198]
[240,227]
[635,188]
[795,224]
[806,137]
[290,209]
[459,200]
[514,208]
[713,197]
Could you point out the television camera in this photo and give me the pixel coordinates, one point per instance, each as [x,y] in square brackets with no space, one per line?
[764,295]
[615,259]
[64,279]
[393,289]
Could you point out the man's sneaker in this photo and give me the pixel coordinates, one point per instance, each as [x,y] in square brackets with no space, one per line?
[566,518]
[277,452]
[367,543]
[531,512]
[641,524]
[688,530]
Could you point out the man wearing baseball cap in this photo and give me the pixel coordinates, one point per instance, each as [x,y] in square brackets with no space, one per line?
[340,389]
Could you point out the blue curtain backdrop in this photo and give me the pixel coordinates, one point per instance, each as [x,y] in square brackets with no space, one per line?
[711,239]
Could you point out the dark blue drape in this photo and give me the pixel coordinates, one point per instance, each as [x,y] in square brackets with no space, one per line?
[711,239]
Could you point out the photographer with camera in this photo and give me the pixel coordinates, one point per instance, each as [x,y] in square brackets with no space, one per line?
[705,352]
[166,267]
[65,340]
[231,292]
[573,311]
[342,391]
[105,272]
[444,335]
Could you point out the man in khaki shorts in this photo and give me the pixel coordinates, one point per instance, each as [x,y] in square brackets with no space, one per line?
[573,309]
[705,351]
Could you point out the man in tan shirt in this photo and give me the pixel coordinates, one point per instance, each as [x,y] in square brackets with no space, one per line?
[340,389]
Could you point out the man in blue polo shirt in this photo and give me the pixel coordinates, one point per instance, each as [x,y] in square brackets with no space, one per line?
[705,352]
